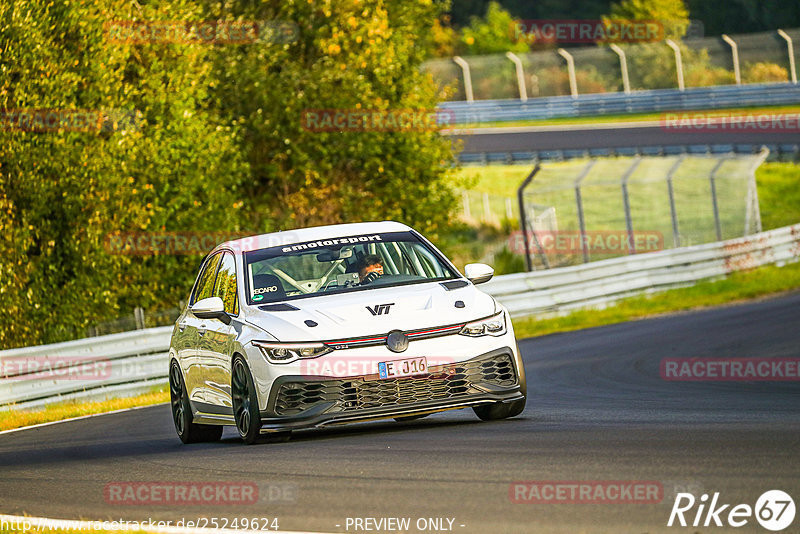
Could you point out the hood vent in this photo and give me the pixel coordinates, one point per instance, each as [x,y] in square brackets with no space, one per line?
[454,284]
[278,307]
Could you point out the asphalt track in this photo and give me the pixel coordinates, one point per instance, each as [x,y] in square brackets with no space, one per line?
[600,136]
[597,410]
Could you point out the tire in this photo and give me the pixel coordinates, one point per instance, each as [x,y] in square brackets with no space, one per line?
[245,401]
[188,431]
[498,410]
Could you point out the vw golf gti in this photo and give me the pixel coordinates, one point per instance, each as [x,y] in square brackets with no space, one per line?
[337,324]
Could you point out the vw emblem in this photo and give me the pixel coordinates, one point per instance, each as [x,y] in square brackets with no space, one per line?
[397,341]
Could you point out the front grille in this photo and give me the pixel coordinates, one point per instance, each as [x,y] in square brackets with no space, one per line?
[444,382]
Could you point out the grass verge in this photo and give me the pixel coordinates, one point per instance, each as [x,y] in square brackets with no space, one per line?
[737,287]
[14,418]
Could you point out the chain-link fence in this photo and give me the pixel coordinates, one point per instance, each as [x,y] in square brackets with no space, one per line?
[137,320]
[754,58]
[585,210]
[485,208]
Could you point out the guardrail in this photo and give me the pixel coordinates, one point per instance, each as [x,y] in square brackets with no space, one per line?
[133,362]
[778,152]
[602,282]
[85,369]
[656,100]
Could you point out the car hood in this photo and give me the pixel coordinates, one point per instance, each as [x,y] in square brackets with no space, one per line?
[374,311]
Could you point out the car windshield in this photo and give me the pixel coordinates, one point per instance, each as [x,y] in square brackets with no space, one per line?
[344,264]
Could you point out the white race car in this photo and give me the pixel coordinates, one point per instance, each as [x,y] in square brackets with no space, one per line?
[337,324]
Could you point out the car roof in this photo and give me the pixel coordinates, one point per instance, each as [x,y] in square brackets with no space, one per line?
[287,237]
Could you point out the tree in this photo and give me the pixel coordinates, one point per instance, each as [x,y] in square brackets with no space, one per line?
[348,55]
[62,191]
[671,13]
[491,34]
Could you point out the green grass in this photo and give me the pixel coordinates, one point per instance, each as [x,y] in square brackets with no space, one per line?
[779,194]
[737,287]
[17,418]
[631,117]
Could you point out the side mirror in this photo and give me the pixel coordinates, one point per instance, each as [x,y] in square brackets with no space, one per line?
[211,308]
[478,273]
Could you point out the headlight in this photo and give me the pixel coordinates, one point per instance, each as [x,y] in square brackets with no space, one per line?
[491,326]
[288,352]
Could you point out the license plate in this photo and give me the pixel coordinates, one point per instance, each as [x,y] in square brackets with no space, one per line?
[400,368]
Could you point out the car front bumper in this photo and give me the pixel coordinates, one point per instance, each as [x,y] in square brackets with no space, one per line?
[309,401]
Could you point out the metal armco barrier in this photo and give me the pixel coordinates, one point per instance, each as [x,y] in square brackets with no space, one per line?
[133,362]
[602,282]
[657,100]
[93,368]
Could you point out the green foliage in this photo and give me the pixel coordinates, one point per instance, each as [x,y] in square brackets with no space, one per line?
[762,72]
[671,13]
[217,145]
[506,262]
[350,55]
[491,34]
[63,191]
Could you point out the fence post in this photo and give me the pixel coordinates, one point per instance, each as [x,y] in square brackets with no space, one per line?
[573,84]
[737,75]
[487,210]
[623,67]
[713,174]
[752,193]
[579,202]
[138,317]
[465,201]
[790,46]
[678,62]
[523,219]
[509,209]
[467,76]
[523,92]
[626,202]
[676,236]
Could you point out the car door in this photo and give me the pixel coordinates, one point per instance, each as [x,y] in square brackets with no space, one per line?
[194,329]
[217,342]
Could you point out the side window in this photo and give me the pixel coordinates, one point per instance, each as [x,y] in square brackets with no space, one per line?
[225,287]
[205,282]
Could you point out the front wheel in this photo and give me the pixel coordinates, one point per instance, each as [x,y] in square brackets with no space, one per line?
[499,410]
[188,431]
[245,402]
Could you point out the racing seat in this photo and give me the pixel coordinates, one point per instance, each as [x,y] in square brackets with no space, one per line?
[269,281]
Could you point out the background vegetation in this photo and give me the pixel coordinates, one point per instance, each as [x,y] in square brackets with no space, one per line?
[217,144]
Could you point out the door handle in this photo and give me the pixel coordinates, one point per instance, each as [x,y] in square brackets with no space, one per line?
[202,330]
[181,326]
